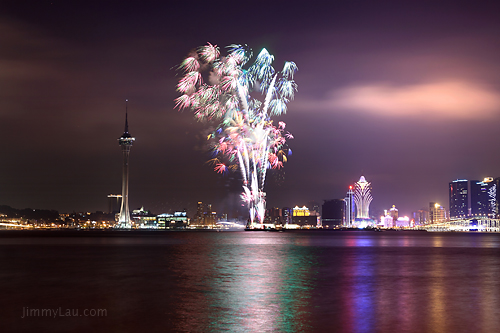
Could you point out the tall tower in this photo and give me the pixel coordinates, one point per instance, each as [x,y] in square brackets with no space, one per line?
[349,208]
[362,198]
[125,141]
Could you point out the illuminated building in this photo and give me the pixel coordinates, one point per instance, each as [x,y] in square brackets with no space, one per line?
[125,141]
[437,213]
[495,197]
[332,212]
[286,213]
[387,221]
[177,220]
[198,218]
[211,217]
[473,198]
[402,222]
[483,197]
[143,219]
[459,198]
[274,216]
[421,217]
[204,215]
[362,198]
[298,211]
[349,208]
[303,218]
[393,212]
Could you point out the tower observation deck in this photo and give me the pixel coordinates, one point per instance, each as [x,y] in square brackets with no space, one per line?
[125,141]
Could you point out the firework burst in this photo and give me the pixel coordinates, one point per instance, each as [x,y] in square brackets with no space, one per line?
[242,97]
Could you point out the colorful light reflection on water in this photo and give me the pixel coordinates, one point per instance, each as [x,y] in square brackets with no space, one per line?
[256,283]
[300,281]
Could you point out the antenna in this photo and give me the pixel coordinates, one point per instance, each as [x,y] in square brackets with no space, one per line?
[126,116]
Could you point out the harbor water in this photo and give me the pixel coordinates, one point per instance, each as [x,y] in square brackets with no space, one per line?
[293,281]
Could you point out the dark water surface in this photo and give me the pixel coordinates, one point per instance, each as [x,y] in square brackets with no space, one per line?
[300,281]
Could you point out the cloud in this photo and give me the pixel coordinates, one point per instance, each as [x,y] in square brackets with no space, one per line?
[444,99]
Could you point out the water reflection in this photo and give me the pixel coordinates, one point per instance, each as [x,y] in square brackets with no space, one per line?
[257,281]
[489,301]
[359,296]
[261,284]
[414,283]
[437,299]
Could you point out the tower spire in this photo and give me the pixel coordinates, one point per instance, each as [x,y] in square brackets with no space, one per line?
[126,134]
[125,141]
[126,116]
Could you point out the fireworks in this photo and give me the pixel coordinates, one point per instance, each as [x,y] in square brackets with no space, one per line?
[242,97]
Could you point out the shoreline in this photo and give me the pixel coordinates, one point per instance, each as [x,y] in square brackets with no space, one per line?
[14,233]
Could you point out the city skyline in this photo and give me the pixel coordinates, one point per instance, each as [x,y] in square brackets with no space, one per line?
[406,94]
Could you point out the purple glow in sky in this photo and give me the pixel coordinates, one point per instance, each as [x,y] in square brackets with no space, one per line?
[405,93]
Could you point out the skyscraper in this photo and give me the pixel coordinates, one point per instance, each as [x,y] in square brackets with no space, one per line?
[459,198]
[349,208]
[482,197]
[421,217]
[473,198]
[332,213]
[394,213]
[437,213]
[495,197]
[125,141]
[362,198]
[274,216]
[286,213]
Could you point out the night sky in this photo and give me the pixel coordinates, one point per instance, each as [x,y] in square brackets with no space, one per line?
[406,93]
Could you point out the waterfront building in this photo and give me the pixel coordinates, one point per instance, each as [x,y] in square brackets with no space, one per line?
[421,217]
[273,216]
[125,141]
[313,207]
[199,216]
[459,198]
[349,208]
[332,213]
[393,212]
[286,214]
[495,197]
[143,219]
[386,221]
[210,216]
[362,198]
[473,198]
[301,211]
[177,220]
[482,198]
[402,222]
[437,213]
[204,217]
[304,218]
